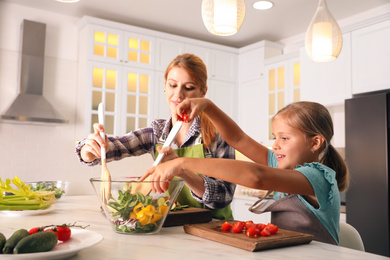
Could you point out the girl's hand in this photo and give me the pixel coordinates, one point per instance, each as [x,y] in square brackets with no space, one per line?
[91,150]
[192,107]
[161,173]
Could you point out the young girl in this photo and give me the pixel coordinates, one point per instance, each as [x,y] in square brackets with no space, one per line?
[185,77]
[304,169]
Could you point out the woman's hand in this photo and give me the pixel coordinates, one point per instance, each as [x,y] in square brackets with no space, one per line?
[169,153]
[161,173]
[192,107]
[91,150]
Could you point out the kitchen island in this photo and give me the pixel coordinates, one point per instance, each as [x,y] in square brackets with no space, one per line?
[171,243]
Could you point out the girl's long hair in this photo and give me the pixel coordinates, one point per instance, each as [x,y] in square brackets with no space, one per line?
[198,72]
[314,119]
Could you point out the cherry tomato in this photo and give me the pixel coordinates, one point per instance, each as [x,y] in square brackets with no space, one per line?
[238,227]
[249,224]
[63,233]
[185,118]
[272,228]
[260,226]
[226,226]
[265,232]
[253,232]
[35,230]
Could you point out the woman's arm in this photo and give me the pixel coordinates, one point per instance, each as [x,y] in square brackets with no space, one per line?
[226,127]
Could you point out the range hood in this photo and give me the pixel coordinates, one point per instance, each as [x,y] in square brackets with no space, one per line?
[30,106]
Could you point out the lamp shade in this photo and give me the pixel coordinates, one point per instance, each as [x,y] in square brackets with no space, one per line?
[324,39]
[223,17]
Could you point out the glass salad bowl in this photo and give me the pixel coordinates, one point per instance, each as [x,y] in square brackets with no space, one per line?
[60,188]
[132,207]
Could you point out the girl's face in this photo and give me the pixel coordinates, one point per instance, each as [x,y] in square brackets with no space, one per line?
[179,86]
[290,147]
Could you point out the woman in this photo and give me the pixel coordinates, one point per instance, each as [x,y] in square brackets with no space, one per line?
[185,77]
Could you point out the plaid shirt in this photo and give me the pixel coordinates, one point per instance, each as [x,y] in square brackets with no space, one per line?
[218,194]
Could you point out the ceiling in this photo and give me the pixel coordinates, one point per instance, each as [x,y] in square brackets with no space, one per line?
[183,17]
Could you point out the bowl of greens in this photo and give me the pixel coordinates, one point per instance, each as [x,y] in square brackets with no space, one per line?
[132,207]
[60,188]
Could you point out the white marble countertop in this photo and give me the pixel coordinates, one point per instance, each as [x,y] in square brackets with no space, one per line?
[171,243]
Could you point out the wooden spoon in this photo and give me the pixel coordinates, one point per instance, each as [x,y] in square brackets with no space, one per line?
[105,186]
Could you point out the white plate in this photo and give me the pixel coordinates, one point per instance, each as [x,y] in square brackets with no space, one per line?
[79,240]
[17,213]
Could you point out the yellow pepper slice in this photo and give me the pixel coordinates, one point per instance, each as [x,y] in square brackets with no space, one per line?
[138,208]
[163,209]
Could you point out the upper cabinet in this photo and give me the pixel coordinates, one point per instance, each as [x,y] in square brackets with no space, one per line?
[283,86]
[371,58]
[252,57]
[121,47]
[252,92]
[123,66]
[328,83]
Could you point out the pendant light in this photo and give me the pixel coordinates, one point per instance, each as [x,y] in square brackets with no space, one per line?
[323,37]
[223,17]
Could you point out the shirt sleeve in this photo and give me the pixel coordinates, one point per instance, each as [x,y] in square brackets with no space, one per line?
[218,193]
[135,143]
[323,181]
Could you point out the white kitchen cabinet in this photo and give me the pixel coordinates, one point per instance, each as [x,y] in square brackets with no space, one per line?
[240,207]
[126,92]
[132,54]
[223,94]
[224,66]
[252,109]
[328,83]
[252,57]
[283,87]
[252,90]
[120,47]
[166,51]
[371,58]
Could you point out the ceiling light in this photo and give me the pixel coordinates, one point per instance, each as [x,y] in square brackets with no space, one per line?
[324,39]
[263,5]
[223,17]
[67,1]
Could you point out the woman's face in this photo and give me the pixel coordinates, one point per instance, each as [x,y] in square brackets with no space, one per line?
[290,147]
[179,86]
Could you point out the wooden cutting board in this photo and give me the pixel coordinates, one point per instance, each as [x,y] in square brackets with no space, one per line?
[188,215]
[213,231]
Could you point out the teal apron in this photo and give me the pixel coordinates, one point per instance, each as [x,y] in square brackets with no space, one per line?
[185,197]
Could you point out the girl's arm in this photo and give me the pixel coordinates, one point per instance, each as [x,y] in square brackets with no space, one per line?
[226,127]
[248,174]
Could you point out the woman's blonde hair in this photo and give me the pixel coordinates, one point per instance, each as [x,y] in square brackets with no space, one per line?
[198,72]
[314,119]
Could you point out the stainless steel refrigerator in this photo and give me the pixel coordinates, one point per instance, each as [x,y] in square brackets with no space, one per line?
[367,151]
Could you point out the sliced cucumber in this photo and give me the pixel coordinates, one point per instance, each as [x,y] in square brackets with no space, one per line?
[160,201]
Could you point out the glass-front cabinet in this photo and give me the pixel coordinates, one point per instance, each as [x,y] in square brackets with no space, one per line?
[121,47]
[126,94]
[283,85]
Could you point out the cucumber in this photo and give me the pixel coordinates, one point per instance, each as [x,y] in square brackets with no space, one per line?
[38,242]
[2,242]
[160,201]
[13,240]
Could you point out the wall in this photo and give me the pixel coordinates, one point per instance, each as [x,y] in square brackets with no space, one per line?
[43,152]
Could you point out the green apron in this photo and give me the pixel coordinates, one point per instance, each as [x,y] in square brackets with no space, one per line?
[185,197]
